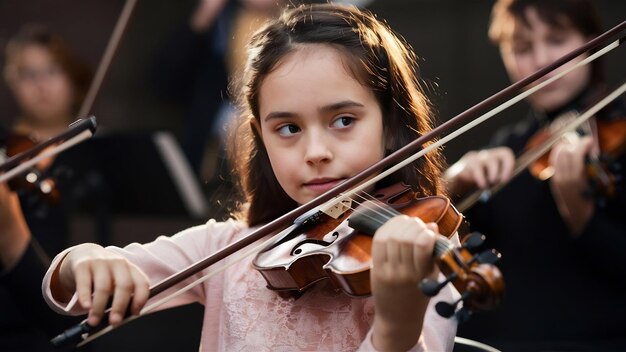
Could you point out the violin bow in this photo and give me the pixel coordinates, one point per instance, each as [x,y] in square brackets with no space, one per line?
[76,133]
[394,161]
[107,57]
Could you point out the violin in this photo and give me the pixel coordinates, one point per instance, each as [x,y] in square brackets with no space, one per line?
[338,248]
[610,142]
[37,180]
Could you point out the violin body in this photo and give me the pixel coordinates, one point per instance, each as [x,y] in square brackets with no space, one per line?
[323,247]
[35,181]
[610,138]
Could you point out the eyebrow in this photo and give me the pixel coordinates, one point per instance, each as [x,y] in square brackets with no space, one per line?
[328,108]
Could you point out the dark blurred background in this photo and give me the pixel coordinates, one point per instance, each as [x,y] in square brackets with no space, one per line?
[457,63]
[456,60]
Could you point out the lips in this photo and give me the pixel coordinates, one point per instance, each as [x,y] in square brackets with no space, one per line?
[321,185]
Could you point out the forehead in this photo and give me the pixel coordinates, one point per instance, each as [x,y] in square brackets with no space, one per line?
[531,21]
[312,72]
[31,54]
[323,56]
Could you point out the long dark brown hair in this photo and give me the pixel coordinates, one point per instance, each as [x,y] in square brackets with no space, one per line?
[377,57]
[580,15]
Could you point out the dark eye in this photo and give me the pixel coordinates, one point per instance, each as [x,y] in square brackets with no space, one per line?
[287,130]
[557,39]
[343,121]
[522,48]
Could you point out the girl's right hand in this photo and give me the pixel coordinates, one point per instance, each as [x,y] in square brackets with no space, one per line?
[480,169]
[96,274]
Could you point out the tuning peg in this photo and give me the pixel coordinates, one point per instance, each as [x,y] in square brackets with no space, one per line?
[431,287]
[489,257]
[473,241]
[446,309]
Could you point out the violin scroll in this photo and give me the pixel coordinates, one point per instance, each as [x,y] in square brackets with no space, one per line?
[472,273]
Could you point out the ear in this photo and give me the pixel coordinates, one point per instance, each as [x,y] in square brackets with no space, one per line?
[255,126]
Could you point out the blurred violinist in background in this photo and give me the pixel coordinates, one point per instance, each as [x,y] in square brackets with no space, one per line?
[562,240]
[48,83]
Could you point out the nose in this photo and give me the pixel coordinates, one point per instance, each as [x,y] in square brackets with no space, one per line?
[318,148]
[542,56]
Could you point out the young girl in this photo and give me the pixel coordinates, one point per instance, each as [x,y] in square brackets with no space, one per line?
[562,247]
[328,91]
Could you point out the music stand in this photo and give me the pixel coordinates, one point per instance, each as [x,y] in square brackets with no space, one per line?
[141,174]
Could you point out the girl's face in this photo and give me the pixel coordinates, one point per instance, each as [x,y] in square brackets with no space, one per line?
[530,48]
[41,88]
[320,126]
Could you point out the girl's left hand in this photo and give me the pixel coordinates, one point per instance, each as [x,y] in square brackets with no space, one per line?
[569,183]
[402,256]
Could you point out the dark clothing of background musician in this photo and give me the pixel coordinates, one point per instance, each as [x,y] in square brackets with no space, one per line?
[562,293]
[26,321]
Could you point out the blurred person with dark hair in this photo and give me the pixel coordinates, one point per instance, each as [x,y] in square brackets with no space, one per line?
[48,83]
[561,247]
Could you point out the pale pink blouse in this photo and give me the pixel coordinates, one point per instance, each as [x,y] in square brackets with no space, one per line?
[241,314]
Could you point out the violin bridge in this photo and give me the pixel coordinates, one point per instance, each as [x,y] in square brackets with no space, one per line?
[335,210]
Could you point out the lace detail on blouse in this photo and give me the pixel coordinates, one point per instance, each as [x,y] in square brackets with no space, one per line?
[241,314]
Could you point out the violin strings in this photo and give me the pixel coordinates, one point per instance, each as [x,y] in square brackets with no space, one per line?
[442,244]
[384,209]
[385,212]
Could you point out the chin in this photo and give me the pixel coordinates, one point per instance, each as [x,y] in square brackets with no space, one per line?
[549,102]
